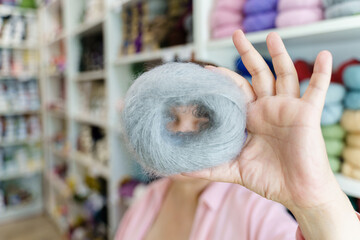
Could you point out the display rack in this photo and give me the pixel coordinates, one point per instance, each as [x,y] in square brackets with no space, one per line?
[117,76]
[28,174]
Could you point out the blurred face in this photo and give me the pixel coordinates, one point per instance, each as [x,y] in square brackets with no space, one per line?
[185,120]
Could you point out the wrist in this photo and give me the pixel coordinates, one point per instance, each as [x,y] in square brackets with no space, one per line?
[335,219]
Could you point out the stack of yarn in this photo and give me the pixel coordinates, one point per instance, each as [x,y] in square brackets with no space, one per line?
[341,8]
[334,107]
[334,140]
[333,133]
[298,12]
[259,15]
[152,24]
[351,122]
[226,17]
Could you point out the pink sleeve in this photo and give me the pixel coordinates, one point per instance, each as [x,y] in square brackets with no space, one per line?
[299,235]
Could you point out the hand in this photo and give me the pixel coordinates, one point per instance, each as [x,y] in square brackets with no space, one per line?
[284,158]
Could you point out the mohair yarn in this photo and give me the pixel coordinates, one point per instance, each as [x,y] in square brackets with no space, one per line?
[334,131]
[335,164]
[148,111]
[350,121]
[331,114]
[352,100]
[350,171]
[334,147]
[353,140]
[351,77]
[351,155]
[335,93]
[346,8]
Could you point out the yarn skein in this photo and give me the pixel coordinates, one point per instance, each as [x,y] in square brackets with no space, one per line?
[148,108]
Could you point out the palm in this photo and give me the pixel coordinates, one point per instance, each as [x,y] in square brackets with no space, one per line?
[272,163]
[284,153]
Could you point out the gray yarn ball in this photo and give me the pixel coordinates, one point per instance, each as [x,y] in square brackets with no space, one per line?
[148,111]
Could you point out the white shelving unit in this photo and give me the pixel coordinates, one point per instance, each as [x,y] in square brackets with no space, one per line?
[14,213]
[54,120]
[72,118]
[21,174]
[34,170]
[350,186]
[329,30]
[302,42]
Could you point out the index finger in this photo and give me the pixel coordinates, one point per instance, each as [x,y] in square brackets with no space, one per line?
[262,78]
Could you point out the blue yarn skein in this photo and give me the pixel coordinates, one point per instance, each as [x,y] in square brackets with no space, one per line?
[352,100]
[332,114]
[242,70]
[148,111]
[351,77]
[328,3]
[335,93]
[347,8]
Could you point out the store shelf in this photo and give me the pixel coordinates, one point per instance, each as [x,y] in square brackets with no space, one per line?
[20,174]
[21,46]
[116,6]
[91,75]
[59,185]
[14,113]
[28,141]
[22,77]
[350,186]
[55,74]
[59,153]
[56,113]
[12,10]
[165,54]
[57,39]
[89,28]
[93,165]
[53,4]
[91,120]
[21,211]
[23,57]
[322,31]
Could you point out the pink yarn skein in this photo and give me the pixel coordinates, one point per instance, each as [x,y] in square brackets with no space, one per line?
[233,5]
[296,4]
[221,17]
[225,31]
[298,17]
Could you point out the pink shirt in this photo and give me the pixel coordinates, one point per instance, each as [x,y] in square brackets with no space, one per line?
[225,211]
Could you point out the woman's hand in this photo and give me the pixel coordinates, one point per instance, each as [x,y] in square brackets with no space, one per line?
[284,158]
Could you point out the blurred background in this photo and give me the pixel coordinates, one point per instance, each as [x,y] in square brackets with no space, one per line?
[65,66]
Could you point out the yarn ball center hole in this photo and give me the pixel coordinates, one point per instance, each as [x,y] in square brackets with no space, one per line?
[188,119]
